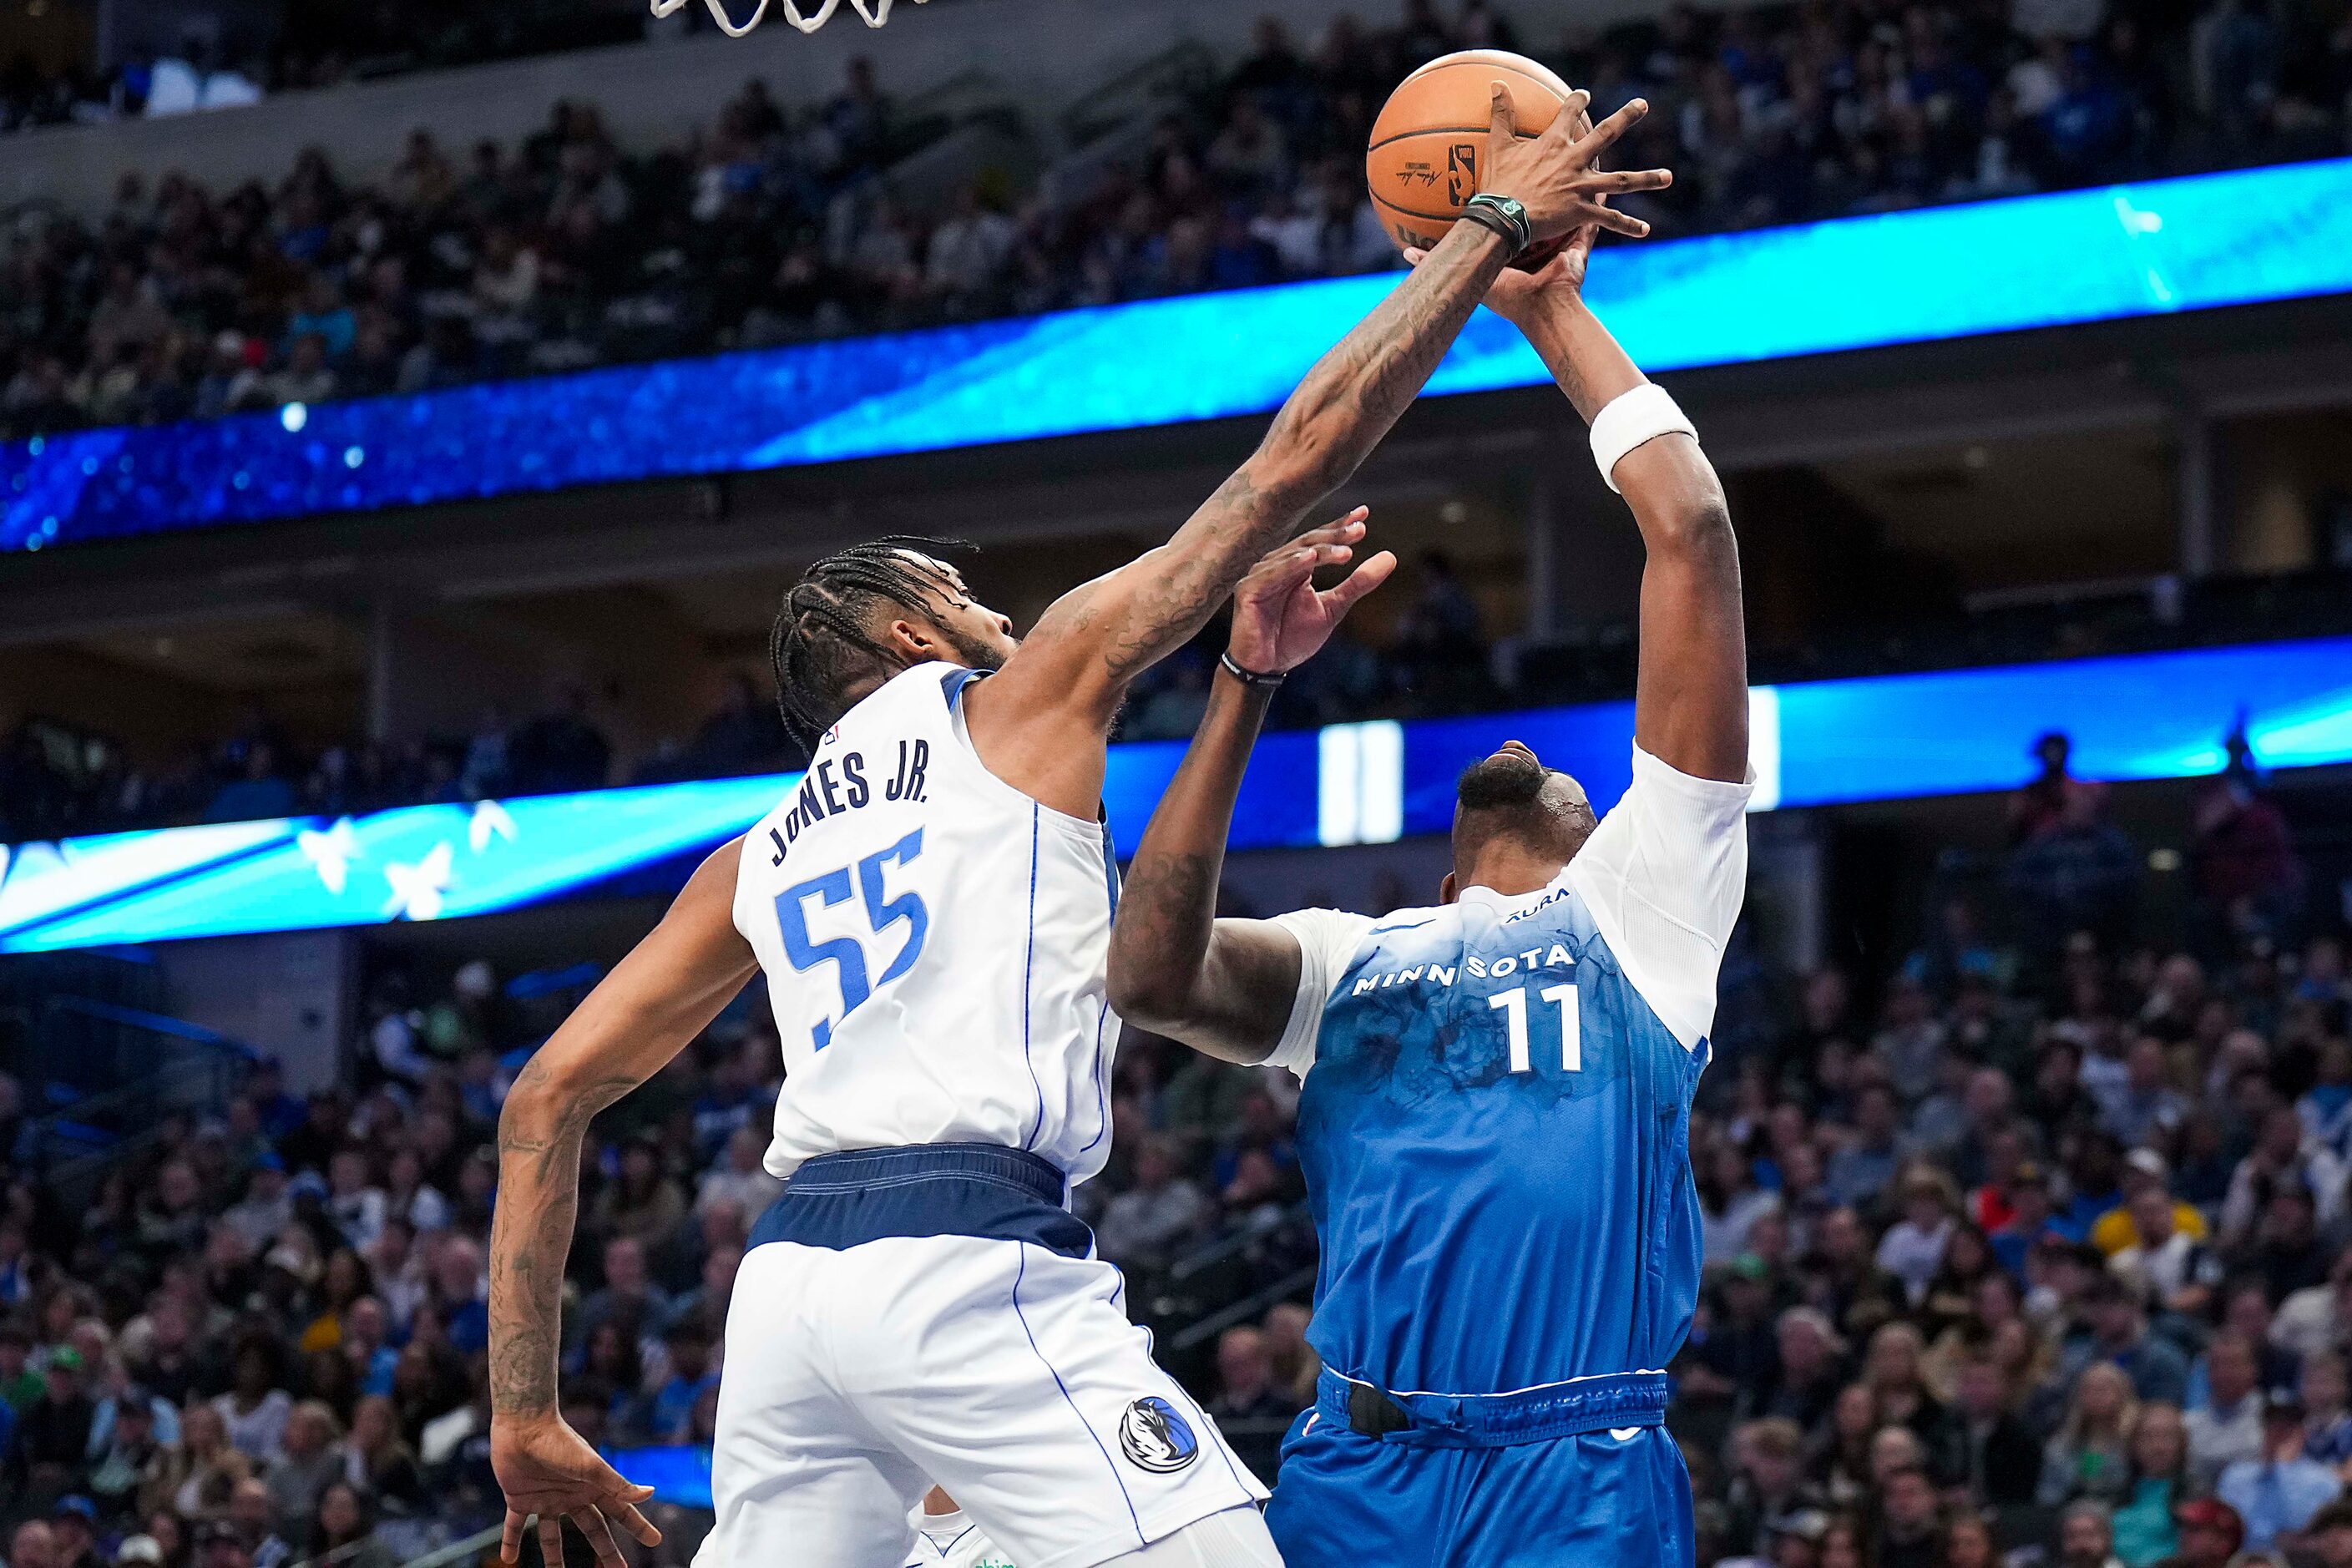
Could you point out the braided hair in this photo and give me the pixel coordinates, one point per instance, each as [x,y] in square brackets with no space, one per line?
[824,646]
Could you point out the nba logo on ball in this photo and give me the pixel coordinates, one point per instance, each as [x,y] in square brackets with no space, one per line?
[1156,1438]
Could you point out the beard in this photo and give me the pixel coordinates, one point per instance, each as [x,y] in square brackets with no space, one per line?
[1505,779]
[973,653]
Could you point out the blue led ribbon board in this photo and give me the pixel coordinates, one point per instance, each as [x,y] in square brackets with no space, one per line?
[1944,272]
[1891,737]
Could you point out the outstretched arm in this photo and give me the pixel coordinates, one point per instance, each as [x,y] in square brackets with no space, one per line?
[1226,986]
[1690,704]
[1036,723]
[655,1000]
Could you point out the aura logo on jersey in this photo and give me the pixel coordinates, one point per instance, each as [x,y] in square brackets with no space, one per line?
[1153,1435]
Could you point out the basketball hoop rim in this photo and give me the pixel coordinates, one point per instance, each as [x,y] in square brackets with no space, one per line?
[873,13]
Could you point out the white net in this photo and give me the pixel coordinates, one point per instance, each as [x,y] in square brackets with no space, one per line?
[873,12]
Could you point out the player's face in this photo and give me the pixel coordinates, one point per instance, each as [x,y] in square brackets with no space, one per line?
[979,637]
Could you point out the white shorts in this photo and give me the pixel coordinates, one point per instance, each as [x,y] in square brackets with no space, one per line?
[1001,1369]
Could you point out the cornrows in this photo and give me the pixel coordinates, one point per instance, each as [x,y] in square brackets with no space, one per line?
[824,646]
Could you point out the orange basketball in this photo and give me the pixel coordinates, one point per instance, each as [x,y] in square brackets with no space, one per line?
[1428,146]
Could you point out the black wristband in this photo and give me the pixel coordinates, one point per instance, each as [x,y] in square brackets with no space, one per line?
[1249,677]
[1504,216]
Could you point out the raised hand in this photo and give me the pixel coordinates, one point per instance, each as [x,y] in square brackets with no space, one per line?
[1516,295]
[1554,175]
[1280,617]
[548,1469]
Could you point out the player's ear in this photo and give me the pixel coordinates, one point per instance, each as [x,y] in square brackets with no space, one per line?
[918,641]
[1449,889]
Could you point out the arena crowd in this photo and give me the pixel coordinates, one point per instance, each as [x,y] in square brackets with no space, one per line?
[779,222]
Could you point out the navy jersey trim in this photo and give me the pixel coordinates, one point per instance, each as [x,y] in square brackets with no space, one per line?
[1111,864]
[952,683]
[840,1201]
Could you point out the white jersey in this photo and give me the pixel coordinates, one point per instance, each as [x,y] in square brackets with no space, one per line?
[935,944]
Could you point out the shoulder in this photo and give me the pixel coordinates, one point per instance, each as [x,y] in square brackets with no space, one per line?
[1328,941]
[1328,938]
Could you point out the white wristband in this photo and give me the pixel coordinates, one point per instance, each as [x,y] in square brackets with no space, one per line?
[1641,414]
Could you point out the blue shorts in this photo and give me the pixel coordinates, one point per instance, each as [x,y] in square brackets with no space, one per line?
[1590,1500]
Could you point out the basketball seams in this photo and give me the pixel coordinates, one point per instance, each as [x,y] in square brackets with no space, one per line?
[1552,90]
[1385,159]
[1445,131]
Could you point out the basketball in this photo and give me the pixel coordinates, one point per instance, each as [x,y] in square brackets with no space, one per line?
[1428,145]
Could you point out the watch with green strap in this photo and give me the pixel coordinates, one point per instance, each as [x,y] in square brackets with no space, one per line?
[1506,216]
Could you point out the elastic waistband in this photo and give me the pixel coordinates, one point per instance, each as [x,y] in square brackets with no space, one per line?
[861,1170]
[1600,1403]
[982,1190]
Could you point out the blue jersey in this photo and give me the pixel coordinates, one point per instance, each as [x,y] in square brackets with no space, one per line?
[1495,1120]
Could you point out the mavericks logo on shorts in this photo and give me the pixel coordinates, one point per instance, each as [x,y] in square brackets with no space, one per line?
[1156,1438]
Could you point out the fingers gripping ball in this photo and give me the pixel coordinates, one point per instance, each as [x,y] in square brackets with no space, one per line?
[1428,153]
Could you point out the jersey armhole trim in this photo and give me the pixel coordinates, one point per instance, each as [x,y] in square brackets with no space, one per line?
[952,684]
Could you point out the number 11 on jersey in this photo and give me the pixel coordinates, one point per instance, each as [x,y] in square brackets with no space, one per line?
[1513,1005]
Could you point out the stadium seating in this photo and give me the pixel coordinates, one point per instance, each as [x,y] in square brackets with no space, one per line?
[853,213]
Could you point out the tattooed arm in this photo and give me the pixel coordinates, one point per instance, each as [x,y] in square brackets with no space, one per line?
[1225,988]
[1039,725]
[655,1001]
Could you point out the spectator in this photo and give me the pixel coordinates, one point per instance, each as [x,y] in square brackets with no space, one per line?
[2143,1108]
[743,1179]
[645,1204]
[1767,1485]
[2087,1456]
[1145,1227]
[2086,1536]
[202,1474]
[255,1409]
[1912,1249]
[344,1528]
[2117,1333]
[1908,1533]
[310,1457]
[2167,1268]
[1730,1202]
[1811,1367]
[34,1545]
[461,1298]
[691,1375]
[73,1524]
[2330,1534]
[53,1432]
[628,1293]
[2227,1427]
[2144,1522]
[1250,1407]
[1859,1171]
[2210,1533]
[2327,1423]
[378,1463]
[2004,1460]
[129,1454]
[2277,1492]
[2282,1157]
